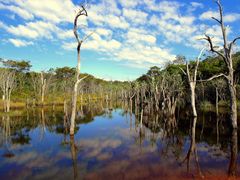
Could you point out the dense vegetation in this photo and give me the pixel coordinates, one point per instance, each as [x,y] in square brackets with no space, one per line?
[163,88]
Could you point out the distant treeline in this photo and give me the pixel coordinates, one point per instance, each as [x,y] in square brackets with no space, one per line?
[163,86]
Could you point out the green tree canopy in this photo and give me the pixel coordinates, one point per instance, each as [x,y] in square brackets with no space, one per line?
[20,66]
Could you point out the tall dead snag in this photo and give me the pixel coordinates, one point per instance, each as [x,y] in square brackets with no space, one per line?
[82,12]
[226,55]
[40,83]
[7,84]
[192,81]
[43,87]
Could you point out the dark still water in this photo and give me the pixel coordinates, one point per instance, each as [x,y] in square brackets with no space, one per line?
[113,143]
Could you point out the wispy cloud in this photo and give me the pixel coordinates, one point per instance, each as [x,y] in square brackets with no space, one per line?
[20,43]
[139,33]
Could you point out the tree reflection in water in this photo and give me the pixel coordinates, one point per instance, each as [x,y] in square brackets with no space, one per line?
[193,150]
[114,138]
[232,170]
[73,148]
[6,136]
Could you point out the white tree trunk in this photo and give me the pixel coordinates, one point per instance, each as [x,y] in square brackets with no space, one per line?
[193,99]
[74,108]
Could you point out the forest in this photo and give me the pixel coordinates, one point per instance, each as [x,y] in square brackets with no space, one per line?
[164,88]
[182,115]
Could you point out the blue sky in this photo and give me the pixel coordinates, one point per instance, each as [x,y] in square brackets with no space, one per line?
[129,36]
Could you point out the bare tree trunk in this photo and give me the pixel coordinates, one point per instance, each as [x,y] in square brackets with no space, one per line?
[226,55]
[4,103]
[233,99]
[43,87]
[74,108]
[7,84]
[65,106]
[232,170]
[193,99]
[216,101]
[8,101]
[192,81]
[82,12]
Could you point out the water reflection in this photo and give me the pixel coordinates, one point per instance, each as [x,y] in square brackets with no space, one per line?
[6,137]
[232,171]
[116,141]
[193,150]
[74,156]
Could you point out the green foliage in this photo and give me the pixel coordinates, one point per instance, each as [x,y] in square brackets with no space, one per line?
[20,66]
[62,80]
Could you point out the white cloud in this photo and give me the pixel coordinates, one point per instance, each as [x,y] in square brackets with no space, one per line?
[96,43]
[69,45]
[135,16]
[129,3]
[19,11]
[135,37]
[54,11]
[116,22]
[208,15]
[104,32]
[20,43]
[145,54]
[140,33]
[33,30]
[163,6]
[197,5]
[228,18]
[232,17]
[65,34]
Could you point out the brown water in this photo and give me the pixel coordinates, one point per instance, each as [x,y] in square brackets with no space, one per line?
[115,144]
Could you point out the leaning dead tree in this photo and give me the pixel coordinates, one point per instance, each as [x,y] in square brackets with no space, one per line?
[192,81]
[7,84]
[82,12]
[226,55]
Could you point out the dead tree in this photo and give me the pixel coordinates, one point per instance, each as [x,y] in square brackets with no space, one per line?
[43,87]
[219,85]
[82,12]
[172,88]
[7,84]
[192,81]
[40,84]
[226,55]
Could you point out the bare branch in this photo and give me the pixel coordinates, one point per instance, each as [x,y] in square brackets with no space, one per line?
[216,20]
[87,36]
[222,24]
[188,72]
[233,42]
[184,72]
[81,12]
[220,11]
[79,80]
[198,60]
[214,77]
[208,38]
